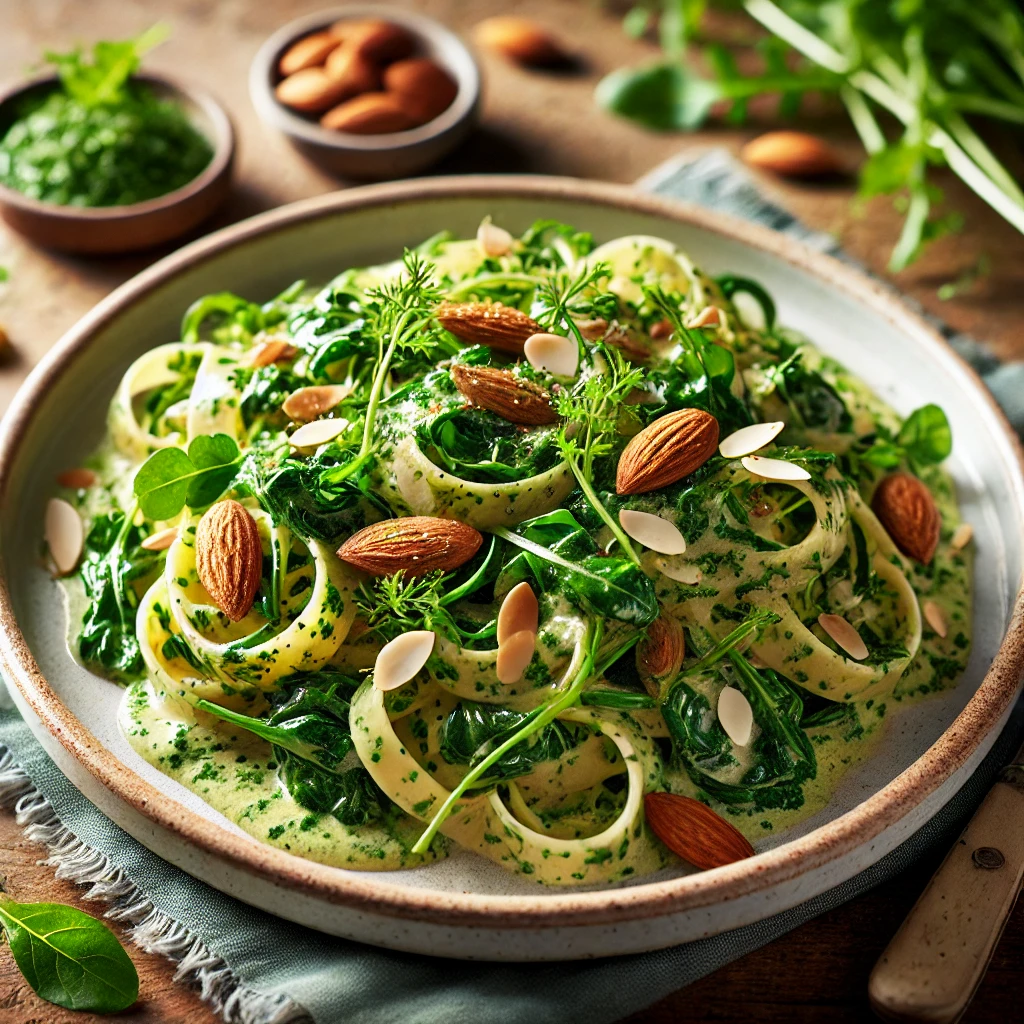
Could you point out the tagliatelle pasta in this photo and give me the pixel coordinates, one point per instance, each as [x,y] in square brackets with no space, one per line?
[696,464]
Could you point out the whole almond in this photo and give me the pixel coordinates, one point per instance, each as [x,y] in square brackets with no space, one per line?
[307,404]
[353,72]
[76,479]
[424,88]
[501,392]
[694,832]
[307,53]
[522,41]
[792,154]
[485,323]
[309,90]
[414,545]
[372,113]
[907,510]
[378,40]
[659,656]
[665,451]
[229,557]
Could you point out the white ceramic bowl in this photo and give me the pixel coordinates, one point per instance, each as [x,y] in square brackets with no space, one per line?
[465,906]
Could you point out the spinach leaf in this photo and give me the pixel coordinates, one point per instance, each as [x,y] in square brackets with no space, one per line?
[68,957]
[561,555]
[351,796]
[472,730]
[925,435]
[812,399]
[113,562]
[169,479]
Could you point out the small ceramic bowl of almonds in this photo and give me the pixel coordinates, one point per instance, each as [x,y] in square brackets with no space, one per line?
[366,90]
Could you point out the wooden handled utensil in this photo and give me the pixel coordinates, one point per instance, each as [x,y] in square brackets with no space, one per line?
[935,962]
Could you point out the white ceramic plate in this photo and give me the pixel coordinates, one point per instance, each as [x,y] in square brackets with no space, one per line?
[467,907]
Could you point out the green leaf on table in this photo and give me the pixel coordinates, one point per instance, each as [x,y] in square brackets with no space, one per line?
[926,435]
[69,958]
[662,96]
[169,479]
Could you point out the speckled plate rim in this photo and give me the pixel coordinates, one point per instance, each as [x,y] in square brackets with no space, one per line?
[372,892]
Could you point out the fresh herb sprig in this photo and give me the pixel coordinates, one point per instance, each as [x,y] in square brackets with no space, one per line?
[925,439]
[68,957]
[170,479]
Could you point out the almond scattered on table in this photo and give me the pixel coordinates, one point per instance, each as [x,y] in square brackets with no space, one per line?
[76,479]
[694,832]
[521,41]
[362,76]
[229,557]
[792,154]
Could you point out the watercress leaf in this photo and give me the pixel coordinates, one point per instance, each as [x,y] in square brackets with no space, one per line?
[215,458]
[162,483]
[663,96]
[926,435]
[68,957]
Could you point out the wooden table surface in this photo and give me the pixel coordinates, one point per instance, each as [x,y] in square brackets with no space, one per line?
[531,123]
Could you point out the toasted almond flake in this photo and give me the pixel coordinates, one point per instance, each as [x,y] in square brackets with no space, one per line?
[707,317]
[961,536]
[844,634]
[400,660]
[681,572]
[653,532]
[161,540]
[76,479]
[748,440]
[735,715]
[749,311]
[492,240]
[660,330]
[272,351]
[64,535]
[774,469]
[314,434]
[519,611]
[514,655]
[592,329]
[936,618]
[308,403]
[553,353]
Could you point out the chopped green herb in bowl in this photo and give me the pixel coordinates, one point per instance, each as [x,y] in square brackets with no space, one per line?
[102,138]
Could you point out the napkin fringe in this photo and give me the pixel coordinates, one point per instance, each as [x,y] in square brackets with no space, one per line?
[150,929]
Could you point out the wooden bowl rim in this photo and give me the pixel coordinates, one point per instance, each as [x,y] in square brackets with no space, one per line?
[374,893]
[223,144]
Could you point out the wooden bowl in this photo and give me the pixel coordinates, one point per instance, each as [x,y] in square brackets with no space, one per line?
[118,229]
[371,157]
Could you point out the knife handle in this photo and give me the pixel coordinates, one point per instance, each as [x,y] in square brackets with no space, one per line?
[935,962]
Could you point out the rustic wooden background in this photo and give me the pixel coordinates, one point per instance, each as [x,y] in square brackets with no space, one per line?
[531,123]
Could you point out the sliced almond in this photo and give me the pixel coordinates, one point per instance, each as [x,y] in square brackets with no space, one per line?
[681,572]
[735,715]
[748,440]
[76,479]
[553,354]
[229,557]
[65,535]
[275,350]
[961,537]
[308,403]
[774,469]
[519,611]
[653,532]
[161,540]
[514,655]
[412,544]
[707,317]
[492,240]
[694,832]
[845,635]
[661,329]
[592,330]
[402,658]
[312,435]
[936,618]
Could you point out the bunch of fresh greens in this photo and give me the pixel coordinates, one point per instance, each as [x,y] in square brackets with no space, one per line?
[930,66]
[102,139]
[68,957]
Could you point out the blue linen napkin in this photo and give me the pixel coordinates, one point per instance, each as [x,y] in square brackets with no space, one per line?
[254,968]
